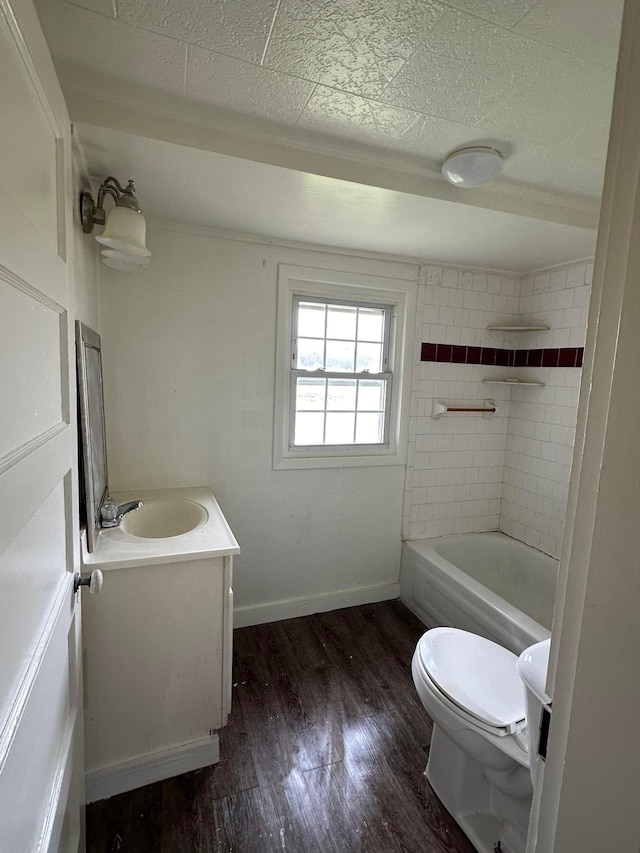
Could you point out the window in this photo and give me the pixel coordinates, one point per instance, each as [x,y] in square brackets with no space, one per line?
[340,372]
[341,369]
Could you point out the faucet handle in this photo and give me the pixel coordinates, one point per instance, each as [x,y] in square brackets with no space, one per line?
[109,511]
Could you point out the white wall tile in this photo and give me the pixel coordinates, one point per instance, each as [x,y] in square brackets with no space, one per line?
[536,483]
[511,471]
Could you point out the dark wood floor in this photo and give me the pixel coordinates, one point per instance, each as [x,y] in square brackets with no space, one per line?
[324,751]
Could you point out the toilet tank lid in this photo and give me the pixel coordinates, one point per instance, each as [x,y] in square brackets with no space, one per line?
[532,668]
[478,675]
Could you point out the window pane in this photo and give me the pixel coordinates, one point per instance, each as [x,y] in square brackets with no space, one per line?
[341,321]
[369,358]
[345,339]
[340,355]
[310,393]
[369,428]
[310,354]
[311,320]
[371,394]
[309,428]
[339,428]
[370,324]
[341,394]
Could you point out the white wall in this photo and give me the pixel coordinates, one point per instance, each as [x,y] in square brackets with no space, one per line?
[542,421]
[85,255]
[188,350]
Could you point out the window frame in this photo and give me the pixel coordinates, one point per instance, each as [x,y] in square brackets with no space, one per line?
[398,297]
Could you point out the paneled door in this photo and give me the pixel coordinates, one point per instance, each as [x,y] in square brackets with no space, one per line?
[41,761]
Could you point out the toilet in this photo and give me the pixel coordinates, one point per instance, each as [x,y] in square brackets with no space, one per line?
[484,701]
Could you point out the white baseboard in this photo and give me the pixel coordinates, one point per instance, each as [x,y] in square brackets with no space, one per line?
[274,611]
[145,769]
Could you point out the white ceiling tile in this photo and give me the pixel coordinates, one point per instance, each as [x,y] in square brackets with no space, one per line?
[564,98]
[102,7]
[227,82]
[355,45]
[464,69]
[434,138]
[482,44]
[239,28]
[439,86]
[82,39]
[354,117]
[588,28]
[505,12]
[423,77]
[590,143]
[555,169]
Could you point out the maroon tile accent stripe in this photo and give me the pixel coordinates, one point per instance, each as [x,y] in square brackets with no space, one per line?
[452,354]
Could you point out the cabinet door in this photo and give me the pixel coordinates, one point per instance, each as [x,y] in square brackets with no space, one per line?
[158,672]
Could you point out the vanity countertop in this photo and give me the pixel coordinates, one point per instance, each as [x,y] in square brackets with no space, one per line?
[116,549]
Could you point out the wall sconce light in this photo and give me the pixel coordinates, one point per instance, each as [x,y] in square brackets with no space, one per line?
[125,228]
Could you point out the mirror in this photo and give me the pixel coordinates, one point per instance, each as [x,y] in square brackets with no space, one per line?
[93,447]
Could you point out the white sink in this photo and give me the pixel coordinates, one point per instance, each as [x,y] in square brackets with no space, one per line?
[163,518]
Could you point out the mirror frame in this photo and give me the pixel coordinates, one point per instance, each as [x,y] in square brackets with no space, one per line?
[90,421]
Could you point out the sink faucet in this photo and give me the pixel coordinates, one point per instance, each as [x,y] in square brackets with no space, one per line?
[113,513]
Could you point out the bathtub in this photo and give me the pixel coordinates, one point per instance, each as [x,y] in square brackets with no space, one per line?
[487,583]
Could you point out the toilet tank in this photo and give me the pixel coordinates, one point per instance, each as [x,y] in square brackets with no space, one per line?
[532,669]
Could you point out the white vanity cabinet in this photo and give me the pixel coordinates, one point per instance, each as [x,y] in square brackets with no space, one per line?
[158,645]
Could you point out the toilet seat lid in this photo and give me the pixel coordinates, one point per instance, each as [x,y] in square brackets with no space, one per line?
[480,676]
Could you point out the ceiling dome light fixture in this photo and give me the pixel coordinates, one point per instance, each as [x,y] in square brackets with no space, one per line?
[471,167]
[125,229]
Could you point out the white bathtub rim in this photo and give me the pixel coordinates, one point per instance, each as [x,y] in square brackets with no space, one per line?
[471,592]
[516,623]
[516,632]
[465,581]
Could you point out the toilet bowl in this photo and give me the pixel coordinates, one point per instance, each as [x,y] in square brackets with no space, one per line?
[479,762]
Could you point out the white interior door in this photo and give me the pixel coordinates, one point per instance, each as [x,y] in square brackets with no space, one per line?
[41,764]
[590,799]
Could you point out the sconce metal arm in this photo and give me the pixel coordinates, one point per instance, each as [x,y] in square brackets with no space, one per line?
[91,214]
[104,190]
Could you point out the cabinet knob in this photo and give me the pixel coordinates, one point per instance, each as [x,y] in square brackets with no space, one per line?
[94,582]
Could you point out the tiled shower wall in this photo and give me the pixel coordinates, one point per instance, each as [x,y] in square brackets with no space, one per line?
[468,473]
[542,421]
[455,464]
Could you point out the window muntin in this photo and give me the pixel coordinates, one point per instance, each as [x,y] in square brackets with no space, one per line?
[340,373]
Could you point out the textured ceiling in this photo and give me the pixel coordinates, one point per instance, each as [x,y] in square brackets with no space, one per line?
[410,78]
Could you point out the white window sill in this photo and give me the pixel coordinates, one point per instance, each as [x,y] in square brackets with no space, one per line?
[330,460]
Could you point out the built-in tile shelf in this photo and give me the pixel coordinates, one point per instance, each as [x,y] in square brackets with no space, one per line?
[506,328]
[512,382]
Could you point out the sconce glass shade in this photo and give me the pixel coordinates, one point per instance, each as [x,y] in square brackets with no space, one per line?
[124,263]
[471,167]
[125,231]
[126,257]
